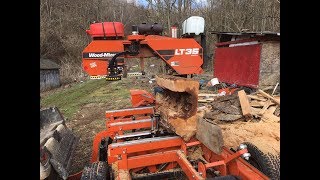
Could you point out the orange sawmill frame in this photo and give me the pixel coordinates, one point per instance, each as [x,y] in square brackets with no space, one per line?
[149,152]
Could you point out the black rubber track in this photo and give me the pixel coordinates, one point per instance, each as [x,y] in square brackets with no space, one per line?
[267,163]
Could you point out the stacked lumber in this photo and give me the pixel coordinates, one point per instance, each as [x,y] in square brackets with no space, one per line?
[264,106]
[239,105]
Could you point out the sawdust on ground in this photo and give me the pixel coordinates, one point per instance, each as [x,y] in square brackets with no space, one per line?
[265,135]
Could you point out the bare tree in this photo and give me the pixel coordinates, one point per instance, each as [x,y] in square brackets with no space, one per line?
[63,23]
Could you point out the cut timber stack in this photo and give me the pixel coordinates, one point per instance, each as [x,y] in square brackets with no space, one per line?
[177,105]
[242,106]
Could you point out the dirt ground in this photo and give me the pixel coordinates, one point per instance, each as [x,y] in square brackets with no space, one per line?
[90,120]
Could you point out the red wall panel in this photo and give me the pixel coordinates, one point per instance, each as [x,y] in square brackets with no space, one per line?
[238,65]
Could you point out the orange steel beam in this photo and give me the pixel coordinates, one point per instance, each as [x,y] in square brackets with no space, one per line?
[127,119]
[124,127]
[187,167]
[193,143]
[159,158]
[223,163]
[96,144]
[236,155]
[244,169]
[115,149]
[148,159]
[129,112]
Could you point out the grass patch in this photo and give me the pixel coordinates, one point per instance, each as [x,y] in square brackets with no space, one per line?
[70,100]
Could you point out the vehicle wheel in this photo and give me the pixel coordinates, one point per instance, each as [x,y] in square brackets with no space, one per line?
[103,149]
[267,163]
[96,171]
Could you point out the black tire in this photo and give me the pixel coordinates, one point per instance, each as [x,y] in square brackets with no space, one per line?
[96,171]
[103,156]
[267,163]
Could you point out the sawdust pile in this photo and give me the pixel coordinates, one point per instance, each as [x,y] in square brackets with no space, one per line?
[265,135]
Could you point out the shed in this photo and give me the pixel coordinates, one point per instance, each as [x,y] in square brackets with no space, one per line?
[249,59]
[49,75]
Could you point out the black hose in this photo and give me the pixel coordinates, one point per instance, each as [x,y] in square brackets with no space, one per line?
[113,62]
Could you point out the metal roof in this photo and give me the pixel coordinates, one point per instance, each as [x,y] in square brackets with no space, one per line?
[262,33]
[48,64]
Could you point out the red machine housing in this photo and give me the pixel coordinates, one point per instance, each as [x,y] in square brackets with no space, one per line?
[183,55]
[141,98]
[106,29]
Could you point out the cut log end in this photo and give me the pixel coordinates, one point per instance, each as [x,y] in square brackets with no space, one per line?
[178,104]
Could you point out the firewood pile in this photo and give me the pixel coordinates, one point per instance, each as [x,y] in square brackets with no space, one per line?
[240,106]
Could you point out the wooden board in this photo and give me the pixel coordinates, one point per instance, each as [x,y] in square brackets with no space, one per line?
[245,105]
[255,97]
[210,135]
[277,101]
[265,107]
[260,103]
